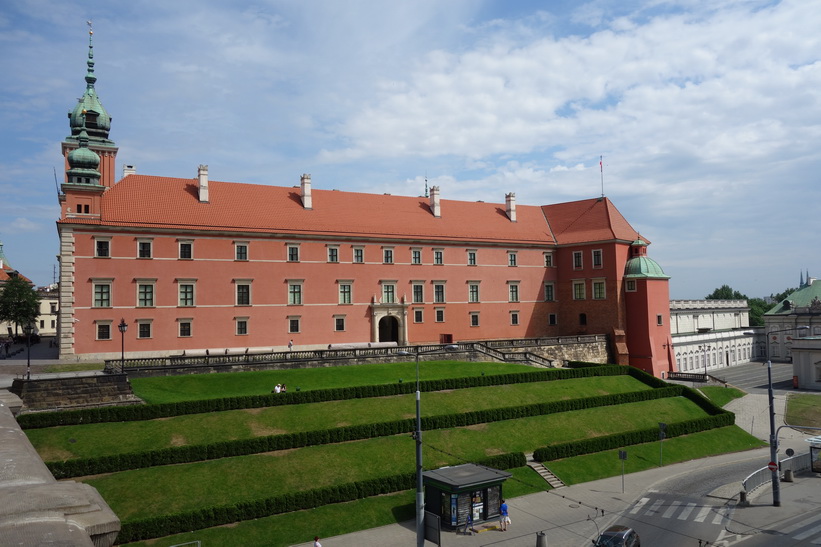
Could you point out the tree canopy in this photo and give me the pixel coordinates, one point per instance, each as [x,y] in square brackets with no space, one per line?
[19,302]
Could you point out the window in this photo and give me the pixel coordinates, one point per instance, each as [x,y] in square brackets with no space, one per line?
[186,250]
[473,292]
[439,293]
[438,257]
[104,330]
[418,290]
[243,294]
[471,258]
[145,295]
[582,319]
[417,316]
[599,292]
[552,320]
[240,251]
[577,260]
[549,292]
[143,329]
[293,324]
[242,326]
[659,320]
[345,296]
[474,319]
[514,318]
[294,293]
[358,255]
[293,253]
[388,293]
[513,292]
[548,260]
[144,248]
[511,258]
[184,328]
[630,286]
[339,323]
[333,254]
[440,315]
[416,256]
[102,294]
[578,290]
[102,248]
[387,256]
[597,258]
[186,291]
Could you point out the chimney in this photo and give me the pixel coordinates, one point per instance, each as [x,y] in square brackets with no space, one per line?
[202,183]
[510,205]
[129,170]
[434,202]
[305,184]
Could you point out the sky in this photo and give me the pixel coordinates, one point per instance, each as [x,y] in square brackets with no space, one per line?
[705,115]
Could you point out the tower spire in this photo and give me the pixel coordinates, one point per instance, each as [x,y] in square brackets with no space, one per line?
[90,77]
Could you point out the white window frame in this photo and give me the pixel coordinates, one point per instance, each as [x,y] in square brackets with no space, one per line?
[145,241]
[102,239]
[193,283]
[296,297]
[600,283]
[95,282]
[102,323]
[140,283]
[583,292]
[249,284]
[578,260]
[180,243]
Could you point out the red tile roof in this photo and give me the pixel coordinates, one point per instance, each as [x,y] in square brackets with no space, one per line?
[172,203]
[587,220]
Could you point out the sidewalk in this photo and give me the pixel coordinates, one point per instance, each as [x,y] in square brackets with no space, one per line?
[564,515]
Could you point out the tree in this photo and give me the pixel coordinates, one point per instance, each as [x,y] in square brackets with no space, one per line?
[19,302]
[758,307]
[725,292]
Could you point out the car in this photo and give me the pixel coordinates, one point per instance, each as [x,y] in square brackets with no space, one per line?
[618,536]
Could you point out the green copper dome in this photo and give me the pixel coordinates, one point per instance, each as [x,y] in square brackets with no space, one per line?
[642,266]
[83,163]
[89,112]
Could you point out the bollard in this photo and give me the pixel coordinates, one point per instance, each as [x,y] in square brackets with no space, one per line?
[742,498]
[541,539]
[788,476]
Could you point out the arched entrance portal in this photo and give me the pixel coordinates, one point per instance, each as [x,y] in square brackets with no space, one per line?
[389,329]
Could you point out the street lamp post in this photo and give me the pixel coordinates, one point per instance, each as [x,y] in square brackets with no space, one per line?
[420,492]
[705,348]
[776,479]
[123,326]
[27,329]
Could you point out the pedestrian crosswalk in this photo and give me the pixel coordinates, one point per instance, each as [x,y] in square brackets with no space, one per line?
[666,508]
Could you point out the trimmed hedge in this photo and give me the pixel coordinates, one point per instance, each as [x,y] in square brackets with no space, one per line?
[143,529]
[150,412]
[187,454]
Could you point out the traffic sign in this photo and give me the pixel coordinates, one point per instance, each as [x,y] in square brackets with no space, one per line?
[772,466]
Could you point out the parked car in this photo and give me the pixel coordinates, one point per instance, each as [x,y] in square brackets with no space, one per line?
[618,536]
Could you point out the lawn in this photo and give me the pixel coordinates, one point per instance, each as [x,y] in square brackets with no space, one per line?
[804,409]
[721,395]
[61,443]
[169,389]
[162,490]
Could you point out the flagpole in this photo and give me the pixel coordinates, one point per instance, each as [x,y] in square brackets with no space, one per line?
[601,169]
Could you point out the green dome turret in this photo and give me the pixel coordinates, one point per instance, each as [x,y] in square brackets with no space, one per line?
[89,113]
[83,163]
[640,265]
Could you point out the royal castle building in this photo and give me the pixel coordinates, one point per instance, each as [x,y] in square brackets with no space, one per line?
[192,263]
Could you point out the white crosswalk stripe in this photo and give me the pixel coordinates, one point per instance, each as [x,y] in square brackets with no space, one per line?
[672,509]
[683,510]
[686,511]
[808,533]
[639,505]
[654,508]
[702,514]
[799,525]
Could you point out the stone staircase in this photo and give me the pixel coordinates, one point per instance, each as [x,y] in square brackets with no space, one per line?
[544,472]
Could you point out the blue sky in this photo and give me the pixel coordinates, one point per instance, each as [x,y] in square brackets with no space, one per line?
[707,114]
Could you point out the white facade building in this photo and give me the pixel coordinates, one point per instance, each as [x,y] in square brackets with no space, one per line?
[710,334]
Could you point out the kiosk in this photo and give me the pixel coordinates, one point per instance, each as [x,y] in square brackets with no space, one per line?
[456,492]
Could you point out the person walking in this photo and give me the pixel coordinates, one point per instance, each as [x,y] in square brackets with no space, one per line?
[504,518]
[290,345]
[316,542]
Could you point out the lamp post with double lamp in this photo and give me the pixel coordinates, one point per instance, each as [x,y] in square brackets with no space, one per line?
[420,492]
[27,329]
[773,465]
[123,326]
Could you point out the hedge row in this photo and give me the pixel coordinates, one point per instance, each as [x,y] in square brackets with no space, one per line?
[166,525]
[620,440]
[149,412]
[224,449]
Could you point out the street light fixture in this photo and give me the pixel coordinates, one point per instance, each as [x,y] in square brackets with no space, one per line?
[123,326]
[420,492]
[776,479]
[27,329]
[705,348]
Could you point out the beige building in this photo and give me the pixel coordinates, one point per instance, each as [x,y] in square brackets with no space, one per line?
[806,355]
[783,322]
[710,334]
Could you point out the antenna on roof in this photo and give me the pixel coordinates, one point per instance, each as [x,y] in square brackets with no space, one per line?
[426,184]
[601,170]
[56,186]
